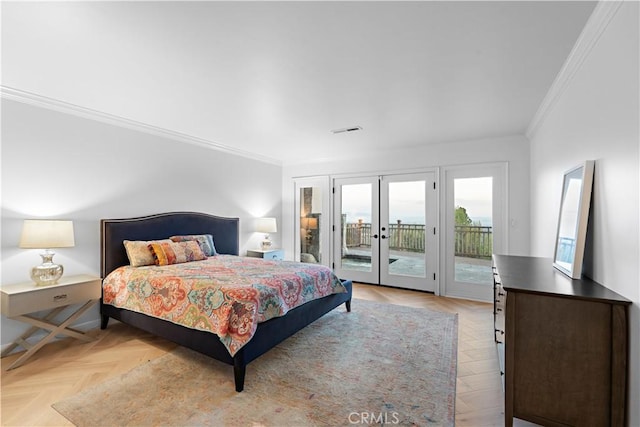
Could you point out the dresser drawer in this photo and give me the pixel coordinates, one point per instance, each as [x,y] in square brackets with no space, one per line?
[25,298]
[499,304]
[500,307]
[274,255]
[277,254]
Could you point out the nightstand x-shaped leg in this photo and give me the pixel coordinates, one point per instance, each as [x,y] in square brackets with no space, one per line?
[47,324]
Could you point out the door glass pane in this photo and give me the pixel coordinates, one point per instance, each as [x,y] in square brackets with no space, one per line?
[407,221]
[473,236]
[356,227]
[311,224]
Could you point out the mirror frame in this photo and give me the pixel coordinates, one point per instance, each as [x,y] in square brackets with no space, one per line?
[582,218]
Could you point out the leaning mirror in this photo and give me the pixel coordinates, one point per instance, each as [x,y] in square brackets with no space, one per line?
[573,219]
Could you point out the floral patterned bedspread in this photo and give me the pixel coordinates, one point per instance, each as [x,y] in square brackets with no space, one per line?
[224,294]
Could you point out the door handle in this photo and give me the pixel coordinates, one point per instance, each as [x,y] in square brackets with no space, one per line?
[375,236]
[383,237]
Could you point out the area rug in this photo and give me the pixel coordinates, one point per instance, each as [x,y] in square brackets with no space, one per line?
[379,364]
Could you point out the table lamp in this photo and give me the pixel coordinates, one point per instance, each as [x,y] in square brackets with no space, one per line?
[46,234]
[266,225]
[309,224]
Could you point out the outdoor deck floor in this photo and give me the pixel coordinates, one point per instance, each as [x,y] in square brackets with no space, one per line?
[472,270]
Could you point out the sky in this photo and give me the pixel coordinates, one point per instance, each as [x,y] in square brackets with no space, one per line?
[474,194]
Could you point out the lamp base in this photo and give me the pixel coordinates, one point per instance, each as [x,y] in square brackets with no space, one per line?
[265,244]
[47,273]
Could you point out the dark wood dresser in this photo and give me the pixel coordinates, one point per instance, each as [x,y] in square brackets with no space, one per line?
[563,345]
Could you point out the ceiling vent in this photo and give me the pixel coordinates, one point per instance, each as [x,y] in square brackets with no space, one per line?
[349,129]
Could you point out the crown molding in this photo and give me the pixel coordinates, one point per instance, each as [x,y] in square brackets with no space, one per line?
[594,28]
[88,113]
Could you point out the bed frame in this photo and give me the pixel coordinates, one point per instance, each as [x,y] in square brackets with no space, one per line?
[225,232]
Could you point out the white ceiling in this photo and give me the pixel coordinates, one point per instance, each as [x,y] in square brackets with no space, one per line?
[274,78]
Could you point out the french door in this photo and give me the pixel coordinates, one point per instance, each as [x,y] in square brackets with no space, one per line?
[385,230]
[474,228]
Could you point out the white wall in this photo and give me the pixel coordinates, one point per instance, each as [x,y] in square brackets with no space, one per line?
[596,117]
[513,150]
[57,165]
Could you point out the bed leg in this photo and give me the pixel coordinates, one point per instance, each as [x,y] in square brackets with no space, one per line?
[104,322]
[239,369]
[348,305]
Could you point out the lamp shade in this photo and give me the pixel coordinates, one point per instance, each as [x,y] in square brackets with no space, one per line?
[266,225]
[45,234]
[309,223]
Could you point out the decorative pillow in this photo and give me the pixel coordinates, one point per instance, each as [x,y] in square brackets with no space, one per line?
[308,258]
[139,253]
[204,240]
[165,253]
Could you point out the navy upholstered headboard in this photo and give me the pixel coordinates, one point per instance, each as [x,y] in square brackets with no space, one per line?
[113,232]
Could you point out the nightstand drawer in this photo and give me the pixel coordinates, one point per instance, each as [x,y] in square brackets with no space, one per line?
[29,298]
[277,254]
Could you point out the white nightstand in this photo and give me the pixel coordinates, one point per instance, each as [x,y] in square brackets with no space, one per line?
[267,253]
[20,299]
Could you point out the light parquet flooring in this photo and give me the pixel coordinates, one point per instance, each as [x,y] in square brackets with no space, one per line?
[66,367]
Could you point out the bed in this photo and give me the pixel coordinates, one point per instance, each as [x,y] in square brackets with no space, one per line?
[225,232]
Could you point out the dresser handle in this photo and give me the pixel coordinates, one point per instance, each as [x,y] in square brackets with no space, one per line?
[498,309]
[499,330]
